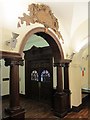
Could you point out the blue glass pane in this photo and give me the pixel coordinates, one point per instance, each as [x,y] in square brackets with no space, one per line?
[45,76]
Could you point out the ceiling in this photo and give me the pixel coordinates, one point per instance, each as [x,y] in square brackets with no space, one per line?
[72,18]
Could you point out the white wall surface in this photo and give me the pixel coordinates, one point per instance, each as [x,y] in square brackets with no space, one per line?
[4,74]
[22,79]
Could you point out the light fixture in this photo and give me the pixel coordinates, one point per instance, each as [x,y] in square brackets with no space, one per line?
[13,41]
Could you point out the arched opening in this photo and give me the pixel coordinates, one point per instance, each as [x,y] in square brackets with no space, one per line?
[51,39]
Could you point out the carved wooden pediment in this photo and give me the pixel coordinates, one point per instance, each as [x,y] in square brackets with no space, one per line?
[41,13]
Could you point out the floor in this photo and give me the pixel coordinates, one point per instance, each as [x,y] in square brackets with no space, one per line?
[36,109]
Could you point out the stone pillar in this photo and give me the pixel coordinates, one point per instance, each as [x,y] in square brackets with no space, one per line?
[60,96]
[14,110]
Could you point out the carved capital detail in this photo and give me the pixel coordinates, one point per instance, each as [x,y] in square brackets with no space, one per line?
[11,62]
[66,64]
[58,65]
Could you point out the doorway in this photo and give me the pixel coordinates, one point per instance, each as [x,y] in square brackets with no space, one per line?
[39,74]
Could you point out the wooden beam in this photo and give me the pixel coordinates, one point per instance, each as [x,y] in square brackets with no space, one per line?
[4,54]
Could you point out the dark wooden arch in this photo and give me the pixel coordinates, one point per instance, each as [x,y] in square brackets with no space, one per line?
[50,38]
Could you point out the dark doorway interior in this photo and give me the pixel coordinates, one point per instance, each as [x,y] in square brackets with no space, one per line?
[39,74]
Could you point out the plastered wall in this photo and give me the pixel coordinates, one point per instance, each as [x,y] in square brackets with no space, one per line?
[75,85]
[4,74]
[84,75]
[78,76]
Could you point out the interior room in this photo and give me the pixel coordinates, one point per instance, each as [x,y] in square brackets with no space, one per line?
[44,59]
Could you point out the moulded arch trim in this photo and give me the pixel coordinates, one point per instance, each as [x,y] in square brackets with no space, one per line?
[59,56]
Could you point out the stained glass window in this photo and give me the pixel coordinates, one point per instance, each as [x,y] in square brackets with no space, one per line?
[34,75]
[45,76]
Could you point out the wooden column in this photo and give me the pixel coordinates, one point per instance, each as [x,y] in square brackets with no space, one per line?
[14,110]
[66,83]
[59,78]
[14,85]
[66,76]
[60,96]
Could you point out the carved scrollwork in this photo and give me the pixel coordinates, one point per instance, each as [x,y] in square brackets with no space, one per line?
[41,13]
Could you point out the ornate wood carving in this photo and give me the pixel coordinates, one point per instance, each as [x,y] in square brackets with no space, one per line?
[41,13]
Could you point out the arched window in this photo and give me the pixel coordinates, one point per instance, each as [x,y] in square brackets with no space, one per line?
[34,75]
[45,76]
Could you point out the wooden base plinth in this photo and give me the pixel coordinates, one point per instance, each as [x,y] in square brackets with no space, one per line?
[60,104]
[14,114]
[68,92]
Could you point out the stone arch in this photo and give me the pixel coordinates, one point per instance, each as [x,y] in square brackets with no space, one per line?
[50,38]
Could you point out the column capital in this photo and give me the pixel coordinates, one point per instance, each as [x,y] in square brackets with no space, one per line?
[63,63]
[58,65]
[66,64]
[14,61]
